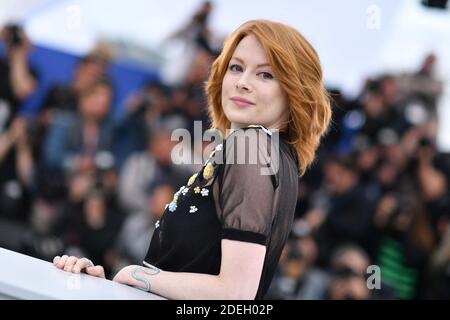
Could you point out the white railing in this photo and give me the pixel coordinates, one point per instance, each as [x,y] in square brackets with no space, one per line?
[24,277]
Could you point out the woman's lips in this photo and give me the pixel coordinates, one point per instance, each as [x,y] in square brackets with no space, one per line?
[241,102]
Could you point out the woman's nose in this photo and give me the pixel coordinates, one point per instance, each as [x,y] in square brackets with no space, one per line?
[243,83]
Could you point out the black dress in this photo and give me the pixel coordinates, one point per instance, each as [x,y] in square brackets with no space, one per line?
[230,201]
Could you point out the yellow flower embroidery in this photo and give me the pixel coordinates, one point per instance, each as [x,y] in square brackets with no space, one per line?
[208,171]
[192,179]
[197,189]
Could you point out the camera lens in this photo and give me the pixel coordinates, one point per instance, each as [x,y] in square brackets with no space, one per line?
[14,34]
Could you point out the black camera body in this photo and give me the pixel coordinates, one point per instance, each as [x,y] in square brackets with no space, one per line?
[14,35]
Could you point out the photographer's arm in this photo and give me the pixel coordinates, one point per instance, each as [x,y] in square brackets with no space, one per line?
[9,138]
[24,159]
[22,81]
[239,277]
[6,143]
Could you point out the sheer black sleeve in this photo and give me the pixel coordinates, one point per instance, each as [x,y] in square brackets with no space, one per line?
[247,191]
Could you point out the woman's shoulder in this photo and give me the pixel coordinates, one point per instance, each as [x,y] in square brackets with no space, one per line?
[253,152]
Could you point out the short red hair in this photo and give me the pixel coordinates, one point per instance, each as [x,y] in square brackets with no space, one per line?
[297,66]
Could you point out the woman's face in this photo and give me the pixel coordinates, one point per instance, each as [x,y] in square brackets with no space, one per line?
[250,92]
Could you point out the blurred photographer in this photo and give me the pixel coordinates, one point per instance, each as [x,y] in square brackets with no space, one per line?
[343,212]
[405,241]
[16,171]
[65,97]
[74,140]
[424,85]
[17,81]
[91,226]
[428,169]
[349,264]
[148,109]
[297,277]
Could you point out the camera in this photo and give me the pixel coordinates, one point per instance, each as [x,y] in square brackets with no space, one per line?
[345,272]
[14,35]
[425,142]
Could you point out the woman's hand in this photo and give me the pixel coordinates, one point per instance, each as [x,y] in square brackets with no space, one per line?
[75,265]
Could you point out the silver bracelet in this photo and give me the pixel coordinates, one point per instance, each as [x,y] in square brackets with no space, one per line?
[153,271]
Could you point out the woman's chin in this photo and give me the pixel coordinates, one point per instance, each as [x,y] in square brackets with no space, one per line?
[240,120]
[239,124]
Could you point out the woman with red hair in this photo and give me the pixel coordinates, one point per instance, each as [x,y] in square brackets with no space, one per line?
[222,234]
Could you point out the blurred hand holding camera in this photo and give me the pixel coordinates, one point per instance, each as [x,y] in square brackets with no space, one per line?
[18,47]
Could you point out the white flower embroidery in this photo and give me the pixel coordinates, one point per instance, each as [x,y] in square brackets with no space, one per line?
[157,224]
[193,209]
[185,191]
[219,147]
[172,206]
[204,192]
[179,191]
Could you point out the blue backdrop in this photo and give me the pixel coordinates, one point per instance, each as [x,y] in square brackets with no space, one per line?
[55,66]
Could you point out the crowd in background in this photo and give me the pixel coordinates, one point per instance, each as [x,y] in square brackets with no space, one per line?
[75,180]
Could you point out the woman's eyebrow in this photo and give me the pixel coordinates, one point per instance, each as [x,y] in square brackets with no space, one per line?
[258,66]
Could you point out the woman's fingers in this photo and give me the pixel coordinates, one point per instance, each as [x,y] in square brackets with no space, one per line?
[71,261]
[81,264]
[62,262]
[96,271]
[75,265]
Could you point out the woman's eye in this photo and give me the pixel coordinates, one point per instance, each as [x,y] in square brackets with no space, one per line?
[266,75]
[235,67]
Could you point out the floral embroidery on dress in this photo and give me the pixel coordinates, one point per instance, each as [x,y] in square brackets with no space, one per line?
[219,147]
[196,182]
[192,179]
[157,224]
[193,209]
[172,206]
[208,171]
